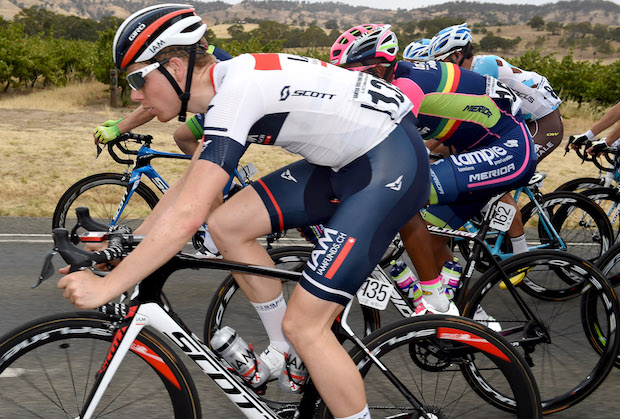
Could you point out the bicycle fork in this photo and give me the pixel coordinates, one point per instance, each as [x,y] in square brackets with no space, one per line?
[153,315]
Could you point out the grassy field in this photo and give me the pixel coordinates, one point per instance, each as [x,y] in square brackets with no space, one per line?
[46,145]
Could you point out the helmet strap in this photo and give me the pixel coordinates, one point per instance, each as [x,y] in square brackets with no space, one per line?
[183,96]
[389,73]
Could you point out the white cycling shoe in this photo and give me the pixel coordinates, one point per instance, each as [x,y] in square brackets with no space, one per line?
[483,317]
[274,360]
[426,308]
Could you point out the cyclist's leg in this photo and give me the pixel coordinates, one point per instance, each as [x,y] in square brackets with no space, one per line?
[259,210]
[547,133]
[390,183]
[474,176]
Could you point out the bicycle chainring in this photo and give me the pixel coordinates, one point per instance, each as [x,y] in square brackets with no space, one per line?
[429,355]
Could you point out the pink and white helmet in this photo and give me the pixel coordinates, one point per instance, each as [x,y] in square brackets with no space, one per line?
[364,42]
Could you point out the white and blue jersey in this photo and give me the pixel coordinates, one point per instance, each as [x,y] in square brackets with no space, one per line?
[537,95]
[365,171]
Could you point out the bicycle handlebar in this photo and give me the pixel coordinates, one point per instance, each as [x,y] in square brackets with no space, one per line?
[145,139]
[611,154]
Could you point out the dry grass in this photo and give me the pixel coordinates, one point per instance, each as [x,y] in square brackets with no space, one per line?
[46,145]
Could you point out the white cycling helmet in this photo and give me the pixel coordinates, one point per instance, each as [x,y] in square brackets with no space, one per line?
[145,33]
[448,40]
[417,50]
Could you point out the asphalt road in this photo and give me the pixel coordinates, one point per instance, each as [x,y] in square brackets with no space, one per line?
[25,242]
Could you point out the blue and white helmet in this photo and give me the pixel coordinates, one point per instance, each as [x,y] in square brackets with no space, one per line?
[449,39]
[417,50]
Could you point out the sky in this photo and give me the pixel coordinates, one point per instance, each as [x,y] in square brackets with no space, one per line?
[410,4]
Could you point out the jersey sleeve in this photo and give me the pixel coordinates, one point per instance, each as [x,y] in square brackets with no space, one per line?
[412,91]
[236,106]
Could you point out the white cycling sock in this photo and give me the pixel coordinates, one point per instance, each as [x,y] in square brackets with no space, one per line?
[271,314]
[519,245]
[364,414]
[433,293]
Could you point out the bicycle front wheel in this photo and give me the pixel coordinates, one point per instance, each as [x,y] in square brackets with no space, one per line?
[102,194]
[571,342]
[48,367]
[581,224]
[442,362]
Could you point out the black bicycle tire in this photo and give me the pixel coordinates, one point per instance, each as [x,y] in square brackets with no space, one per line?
[607,261]
[606,194]
[228,287]
[580,184]
[89,182]
[518,374]
[558,216]
[47,330]
[607,353]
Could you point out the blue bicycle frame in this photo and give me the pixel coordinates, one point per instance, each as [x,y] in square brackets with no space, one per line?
[142,166]
[500,236]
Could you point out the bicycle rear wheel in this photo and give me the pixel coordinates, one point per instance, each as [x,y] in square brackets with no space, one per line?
[102,193]
[445,362]
[572,340]
[48,366]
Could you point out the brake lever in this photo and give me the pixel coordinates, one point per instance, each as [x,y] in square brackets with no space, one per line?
[48,267]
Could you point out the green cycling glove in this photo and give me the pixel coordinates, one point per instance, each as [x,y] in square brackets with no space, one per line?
[108,131]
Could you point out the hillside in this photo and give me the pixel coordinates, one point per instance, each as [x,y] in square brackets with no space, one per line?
[293,13]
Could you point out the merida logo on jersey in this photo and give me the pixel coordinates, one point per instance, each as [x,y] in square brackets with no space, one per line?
[491,174]
[330,252]
[487,155]
[479,109]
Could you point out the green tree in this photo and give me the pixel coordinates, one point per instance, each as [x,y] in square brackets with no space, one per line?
[431,26]
[554,27]
[235,30]
[331,24]
[537,22]
[316,37]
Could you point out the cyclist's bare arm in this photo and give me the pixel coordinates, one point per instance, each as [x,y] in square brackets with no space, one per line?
[436,147]
[611,117]
[138,117]
[174,227]
[185,139]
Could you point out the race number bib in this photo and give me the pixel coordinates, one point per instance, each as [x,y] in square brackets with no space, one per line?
[504,214]
[374,293]
[379,95]
[498,90]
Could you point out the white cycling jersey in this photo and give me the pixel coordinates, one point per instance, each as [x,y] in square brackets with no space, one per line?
[326,114]
[538,96]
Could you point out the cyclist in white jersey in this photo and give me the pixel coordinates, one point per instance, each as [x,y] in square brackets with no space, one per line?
[540,104]
[361,149]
